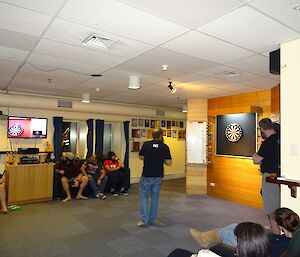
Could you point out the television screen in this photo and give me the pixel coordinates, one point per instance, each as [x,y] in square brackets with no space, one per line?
[19,127]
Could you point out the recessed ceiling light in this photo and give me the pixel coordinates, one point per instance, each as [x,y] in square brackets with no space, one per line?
[297,8]
[97,89]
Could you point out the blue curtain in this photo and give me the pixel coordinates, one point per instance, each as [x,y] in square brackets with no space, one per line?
[57,137]
[126,134]
[99,137]
[90,137]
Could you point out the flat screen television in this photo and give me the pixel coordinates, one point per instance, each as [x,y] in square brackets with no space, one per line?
[27,127]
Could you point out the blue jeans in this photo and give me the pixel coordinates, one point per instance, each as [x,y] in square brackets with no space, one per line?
[149,186]
[226,235]
[98,189]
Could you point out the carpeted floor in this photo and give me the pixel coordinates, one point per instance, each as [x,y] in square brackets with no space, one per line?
[96,228]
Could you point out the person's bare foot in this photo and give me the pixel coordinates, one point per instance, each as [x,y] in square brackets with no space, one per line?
[81,197]
[68,198]
[4,211]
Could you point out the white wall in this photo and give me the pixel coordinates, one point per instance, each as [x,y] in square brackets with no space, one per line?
[290,119]
[46,108]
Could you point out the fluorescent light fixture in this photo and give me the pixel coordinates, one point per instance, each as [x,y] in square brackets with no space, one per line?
[86,98]
[134,82]
[184,108]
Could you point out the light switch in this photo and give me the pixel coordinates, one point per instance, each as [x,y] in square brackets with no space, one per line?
[295,149]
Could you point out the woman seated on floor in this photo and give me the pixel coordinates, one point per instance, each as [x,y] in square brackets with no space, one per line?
[3,194]
[71,174]
[96,174]
[252,241]
[117,174]
[286,220]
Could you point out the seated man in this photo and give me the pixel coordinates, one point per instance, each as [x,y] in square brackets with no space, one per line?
[96,175]
[70,173]
[117,174]
[3,195]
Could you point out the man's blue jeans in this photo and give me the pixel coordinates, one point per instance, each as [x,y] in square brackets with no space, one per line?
[149,186]
[98,189]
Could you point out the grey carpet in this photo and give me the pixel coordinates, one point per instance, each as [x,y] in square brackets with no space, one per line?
[96,228]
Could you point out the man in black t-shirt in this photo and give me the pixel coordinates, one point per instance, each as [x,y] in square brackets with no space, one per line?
[155,154]
[268,156]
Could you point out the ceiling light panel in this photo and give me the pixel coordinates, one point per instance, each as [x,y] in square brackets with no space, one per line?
[250,29]
[195,12]
[22,20]
[121,19]
[205,47]
[73,34]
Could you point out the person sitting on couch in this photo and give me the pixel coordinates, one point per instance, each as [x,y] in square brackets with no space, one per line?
[96,175]
[117,174]
[70,173]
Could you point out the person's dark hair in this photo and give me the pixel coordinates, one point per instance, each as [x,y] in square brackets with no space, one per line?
[157,134]
[111,154]
[276,127]
[266,124]
[252,240]
[288,219]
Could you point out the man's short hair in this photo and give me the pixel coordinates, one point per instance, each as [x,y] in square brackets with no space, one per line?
[157,133]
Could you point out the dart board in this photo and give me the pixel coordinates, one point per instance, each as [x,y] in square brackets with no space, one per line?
[233,132]
[15,130]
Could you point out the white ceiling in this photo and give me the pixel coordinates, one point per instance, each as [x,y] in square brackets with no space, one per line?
[199,40]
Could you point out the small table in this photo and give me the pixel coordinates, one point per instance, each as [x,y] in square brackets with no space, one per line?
[292,184]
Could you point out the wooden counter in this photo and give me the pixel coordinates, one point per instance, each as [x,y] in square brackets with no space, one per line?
[28,183]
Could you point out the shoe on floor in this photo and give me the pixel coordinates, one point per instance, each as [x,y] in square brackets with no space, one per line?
[124,192]
[101,196]
[142,224]
[114,193]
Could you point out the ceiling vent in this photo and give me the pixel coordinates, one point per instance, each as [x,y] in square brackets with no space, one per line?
[98,41]
[228,74]
[64,103]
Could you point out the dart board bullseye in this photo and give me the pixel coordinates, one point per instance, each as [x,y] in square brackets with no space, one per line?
[233,132]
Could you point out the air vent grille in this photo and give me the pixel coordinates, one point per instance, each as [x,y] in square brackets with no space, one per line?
[64,103]
[99,41]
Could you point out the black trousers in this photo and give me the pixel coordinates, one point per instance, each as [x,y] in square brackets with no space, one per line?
[119,178]
[180,253]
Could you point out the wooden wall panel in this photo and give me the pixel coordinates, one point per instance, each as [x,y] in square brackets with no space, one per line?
[196,175]
[275,102]
[236,179]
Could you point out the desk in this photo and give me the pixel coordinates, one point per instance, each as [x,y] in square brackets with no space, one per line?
[292,184]
[29,183]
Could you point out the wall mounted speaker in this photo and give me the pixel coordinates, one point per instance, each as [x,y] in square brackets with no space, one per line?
[275,62]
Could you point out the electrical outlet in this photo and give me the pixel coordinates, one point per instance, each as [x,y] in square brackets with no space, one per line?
[212,184]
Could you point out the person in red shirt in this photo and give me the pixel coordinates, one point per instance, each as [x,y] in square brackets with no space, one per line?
[117,174]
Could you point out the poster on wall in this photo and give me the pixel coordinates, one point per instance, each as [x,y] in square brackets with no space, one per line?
[236,134]
[147,123]
[152,124]
[141,123]
[134,123]
[136,133]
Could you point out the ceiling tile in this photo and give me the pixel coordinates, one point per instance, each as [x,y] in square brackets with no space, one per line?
[77,92]
[5,76]
[42,6]
[9,65]
[178,63]
[33,88]
[195,11]
[118,18]
[280,10]
[74,34]
[17,40]
[50,63]
[206,47]
[256,64]
[22,20]
[260,82]
[78,54]
[250,29]
[12,54]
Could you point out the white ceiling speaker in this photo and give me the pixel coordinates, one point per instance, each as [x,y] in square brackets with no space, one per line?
[184,108]
[86,98]
[134,82]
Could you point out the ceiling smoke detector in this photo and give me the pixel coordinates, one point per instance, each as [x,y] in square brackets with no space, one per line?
[98,41]
[228,74]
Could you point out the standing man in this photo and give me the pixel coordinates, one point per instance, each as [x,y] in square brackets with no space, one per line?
[268,156]
[155,154]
